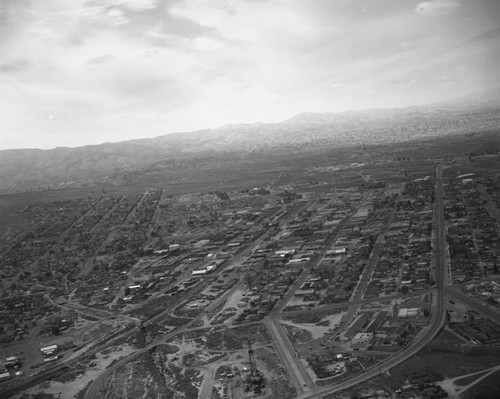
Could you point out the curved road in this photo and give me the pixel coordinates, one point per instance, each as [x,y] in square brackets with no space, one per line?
[298,373]
[438,317]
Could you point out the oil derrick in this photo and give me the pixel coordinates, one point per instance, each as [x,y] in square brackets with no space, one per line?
[255,381]
[251,359]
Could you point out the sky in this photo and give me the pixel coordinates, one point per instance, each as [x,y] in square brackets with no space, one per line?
[78,72]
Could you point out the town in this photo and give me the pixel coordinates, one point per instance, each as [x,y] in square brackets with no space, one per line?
[295,290]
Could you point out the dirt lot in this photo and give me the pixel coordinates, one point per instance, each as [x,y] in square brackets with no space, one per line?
[190,367]
[321,327]
[154,374]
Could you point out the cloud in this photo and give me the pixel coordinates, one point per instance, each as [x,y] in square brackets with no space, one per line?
[116,17]
[134,5]
[15,65]
[250,22]
[116,69]
[101,59]
[131,5]
[437,6]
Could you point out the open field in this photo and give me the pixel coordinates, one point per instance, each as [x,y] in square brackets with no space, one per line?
[153,374]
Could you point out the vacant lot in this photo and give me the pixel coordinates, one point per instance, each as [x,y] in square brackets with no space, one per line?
[154,374]
[321,327]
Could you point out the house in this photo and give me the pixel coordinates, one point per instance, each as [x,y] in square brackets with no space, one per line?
[4,375]
[362,341]
[49,350]
[356,327]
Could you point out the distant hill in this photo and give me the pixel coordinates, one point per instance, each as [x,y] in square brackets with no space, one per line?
[33,169]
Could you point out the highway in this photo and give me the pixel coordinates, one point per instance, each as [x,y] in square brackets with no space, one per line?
[297,371]
[299,376]
[438,317]
[440,265]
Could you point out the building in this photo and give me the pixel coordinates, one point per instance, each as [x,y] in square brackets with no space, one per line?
[4,375]
[362,341]
[12,362]
[49,350]
[356,327]
[406,313]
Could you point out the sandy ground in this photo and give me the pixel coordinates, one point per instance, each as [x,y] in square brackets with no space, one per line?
[185,346]
[235,301]
[68,390]
[315,330]
[238,358]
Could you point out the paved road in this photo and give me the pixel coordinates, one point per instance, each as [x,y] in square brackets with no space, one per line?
[344,305]
[92,391]
[299,377]
[474,304]
[438,317]
[440,260]
[297,371]
[360,289]
[208,379]
[421,340]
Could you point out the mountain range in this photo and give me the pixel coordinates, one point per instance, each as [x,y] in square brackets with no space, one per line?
[34,169]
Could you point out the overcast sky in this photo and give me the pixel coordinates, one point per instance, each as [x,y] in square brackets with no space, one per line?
[76,72]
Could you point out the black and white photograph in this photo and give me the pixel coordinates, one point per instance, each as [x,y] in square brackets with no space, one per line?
[249,199]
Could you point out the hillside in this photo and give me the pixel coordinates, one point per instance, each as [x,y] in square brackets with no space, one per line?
[33,169]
